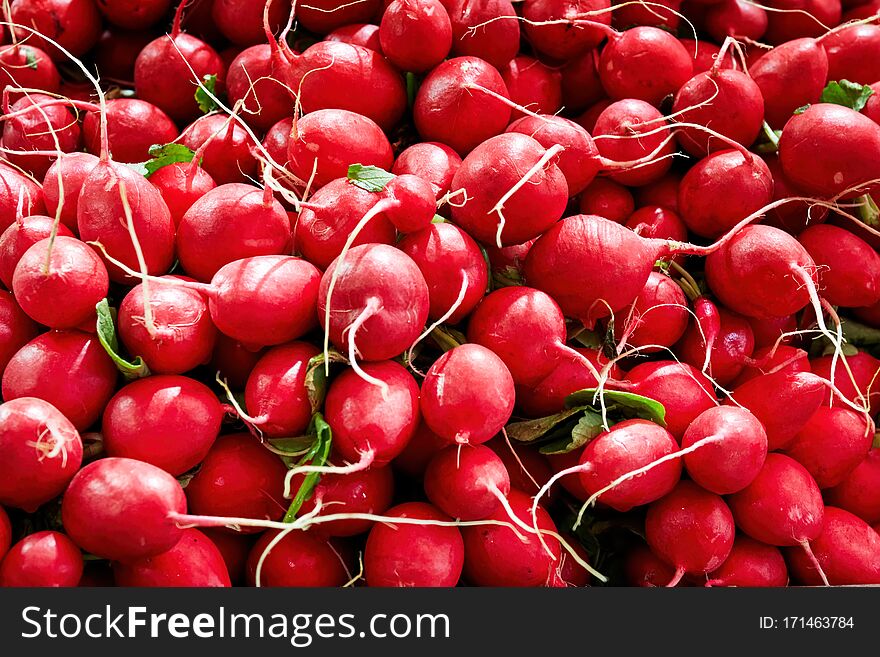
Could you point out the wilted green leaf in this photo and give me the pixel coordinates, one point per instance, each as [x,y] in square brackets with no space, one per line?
[587,428]
[529,431]
[135,369]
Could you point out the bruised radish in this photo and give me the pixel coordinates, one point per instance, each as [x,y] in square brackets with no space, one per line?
[465,482]
[193,561]
[42,559]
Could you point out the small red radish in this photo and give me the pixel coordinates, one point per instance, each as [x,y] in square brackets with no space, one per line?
[770,330]
[19,196]
[606,198]
[74,24]
[691,529]
[23,65]
[431,161]
[467,395]
[181,185]
[581,86]
[772,359]
[132,127]
[38,123]
[300,559]
[119,509]
[859,492]
[166,420]
[533,85]
[849,269]
[496,40]
[465,482]
[323,16]
[644,568]
[275,394]
[241,21]
[733,345]
[862,389]
[415,457]
[19,237]
[853,53]
[234,548]
[16,328]
[193,562]
[415,36]
[794,19]
[735,18]
[42,559]
[705,54]
[68,171]
[365,35]
[225,146]
[570,572]
[133,14]
[255,78]
[406,555]
[750,564]
[529,470]
[239,478]
[654,221]
[556,29]
[657,318]
[5,533]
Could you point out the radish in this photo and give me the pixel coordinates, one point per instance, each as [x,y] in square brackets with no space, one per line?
[121,509]
[488,30]
[298,559]
[654,221]
[241,21]
[415,457]
[705,54]
[19,237]
[606,198]
[735,18]
[849,269]
[44,559]
[115,54]
[859,384]
[770,330]
[466,482]
[857,492]
[193,561]
[644,568]
[691,529]
[226,148]
[731,463]
[234,361]
[46,365]
[407,555]
[132,127]
[581,86]
[166,420]
[533,85]
[750,564]
[415,36]
[16,328]
[42,452]
[133,14]
[254,224]
[794,19]
[23,65]
[467,395]
[68,172]
[365,35]
[665,14]
[572,573]
[60,268]
[771,359]
[73,24]
[792,216]
[657,318]
[852,53]
[323,16]
[39,123]
[729,352]
[234,548]
[18,191]
[239,478]
[564,33]
[662,193]
[255,78]
[452,108]
[431,161]
[529,470]
[846,550]
[495,556]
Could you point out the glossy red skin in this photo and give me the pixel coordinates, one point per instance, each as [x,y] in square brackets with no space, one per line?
[864,369]
[606,198]
[118,509]
[432,161]
[74,168]
[239,478]
[365,35]
[98,219]
[181,185]
[853,54]
[570,573]
[381,426]
[46,366]
[460,481]
[782,506]
[497,42]
[19,237]
[476,401]
[415,36]
[859,491]
[251,227]
[654,221]
[31,476]
[132,127]
[275,140]
[846,549]
[300,559]
[414,459]
[444,254]
[75,274]
[16,72]
[276,390]
[759,273]
[13,186]
[166,420]
[446,111]
[578,162]
[234,548]
[227,158]
[785,26]
[644,568]
[400,288]
[133,14]
[44,559]
[33,130]
[162,73]
[494,556]
[534,85]
[734,343]
[831,444]
[336,138]
[73,24]
[410,203]
[408,555]
[339,205]
[750,564]
[5,533]
[681,388]
[625,118]
[658,316]
[849,269]
[705,54]
[16,328]
[623,69]
[193,562]
[234,360]
[784,358]
[561,40]
[256,75]
[241,21]
[359,80]
[735,18]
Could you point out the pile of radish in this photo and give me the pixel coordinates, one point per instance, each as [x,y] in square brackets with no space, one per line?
[439,292]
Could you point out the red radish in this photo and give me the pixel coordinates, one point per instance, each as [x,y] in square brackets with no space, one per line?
[793,216]
[241,21]
[234,361]
[794,19]
[465,482]
[387,420]
[439,250]
[858,491]
[323,16]
[119,509]
[415,457]
[255,77]
[5,533]
[736,18]
[771,359]
[507,263]
[116,202]
[253,224]
[23,65]
[467,395]
[74,24]
[657,318]
[691,529]
[65,268]
[275,140]
[733,345]
[528,469]
[133,14]
[863,388]
[404,555]
[415,36]
[193,561]
[736,457]
[655,15]
[581,86]
[68,171]
[431,161]
[533,85]
[849,269]
[750,564]
[606,198]
[644,568]
[496,556]
[44,367]
[846,550]
[654,221]
[623,69]
[42,452]
[852,54]
[570,572]
[497,34]
[300,559]
[588,119]
[239,478]
[38,123]
[705,54]
[566,34]
[451,108]
[782,506]
[19,237]
[116,52]
[18,191]
[45,559]
[234,548]
[768,331]
[365,35]
[16,328]
[165,420]
[132,127]
[227,154]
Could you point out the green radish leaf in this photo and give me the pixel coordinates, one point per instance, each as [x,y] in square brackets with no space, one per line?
[587,428]
[296,446]
[206,103]
[627,403]
[165,154]
[846,93]
[30,59]
[316,378]
[318,454]
[135,369]
[139,167]
[369,178]
[438,220]
[529,431]
[801,109]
